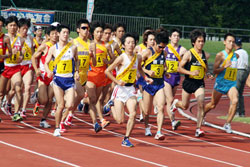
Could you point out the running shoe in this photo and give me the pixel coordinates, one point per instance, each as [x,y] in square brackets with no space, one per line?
[141,118]
[105,123]
[86,108]
[97,127]
[36,109]
[173,107]
[7,109]
[16,117]
[227,127]
[80,107]
[107,107]
[23,114]
[44,124]
[175,124]
[159,136]
[199,133]
[62,128]
[148,131]
[68,120]
[57,132]
[126,143]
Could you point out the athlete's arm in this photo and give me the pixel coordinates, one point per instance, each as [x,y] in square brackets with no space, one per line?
[8,45]
[118,61]
[77,61]
[149,80]
[111,55]
[117,48]
[217,62]
[92,53]
[182,51]
[22,51]
[145,55]
[47,60]
[32,47]
[165,66]
[36,56]
[186,58]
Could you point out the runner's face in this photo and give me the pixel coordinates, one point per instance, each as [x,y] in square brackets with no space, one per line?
[199,43]
[160,47]
[229,42]
[98,33]
[12,28]
[64,35]
[83,30]
[53,36]
[120,32]
[129,44]
[23,30]
[151,40]
[106,35]
[39,32]
[175,37]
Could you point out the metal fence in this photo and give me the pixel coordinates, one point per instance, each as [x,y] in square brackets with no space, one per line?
[213,33]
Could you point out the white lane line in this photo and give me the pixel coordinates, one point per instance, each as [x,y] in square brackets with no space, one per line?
[95,147]
[156,145]
[39,154]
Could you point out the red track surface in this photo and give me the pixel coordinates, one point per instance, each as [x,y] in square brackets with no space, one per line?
[26,144]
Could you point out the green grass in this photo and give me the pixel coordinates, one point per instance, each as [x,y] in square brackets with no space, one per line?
[245,120]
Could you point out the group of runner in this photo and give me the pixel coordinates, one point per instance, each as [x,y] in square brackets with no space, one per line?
[106,69]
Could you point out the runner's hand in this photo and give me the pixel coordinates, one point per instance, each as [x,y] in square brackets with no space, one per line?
[210,76]
[50,74]
[151,73]
[38,72]
[168,75]
[228,64]
[121,83]
[149,80]
[195,72]
[77,77]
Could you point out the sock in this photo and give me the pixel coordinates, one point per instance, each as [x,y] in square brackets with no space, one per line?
[125,138]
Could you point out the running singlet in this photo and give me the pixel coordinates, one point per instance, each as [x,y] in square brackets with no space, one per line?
[130,76]
[83,56]
[12,61]
[193,65]
[172,61]
[230,73]
[66,66]
[157,65]
[101,53]
[28,53]
[2,47]
[43,59]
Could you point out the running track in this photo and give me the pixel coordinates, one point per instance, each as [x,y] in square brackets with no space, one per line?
[26,144]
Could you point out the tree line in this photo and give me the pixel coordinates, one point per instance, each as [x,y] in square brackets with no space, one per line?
[212,13]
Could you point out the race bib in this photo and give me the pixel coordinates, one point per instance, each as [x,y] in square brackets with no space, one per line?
[27,56]
[231,74]
[84,62]
[172,66]
[51,65]
[13,59]
[99,59]
[64,67]
[158,69]
[130,76]
[201,73]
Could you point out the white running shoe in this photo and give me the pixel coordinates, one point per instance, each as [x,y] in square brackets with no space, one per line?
[199,133]
[159,136]
[227,127]
[57,132]
[44,124]
[148,131]
[176,124]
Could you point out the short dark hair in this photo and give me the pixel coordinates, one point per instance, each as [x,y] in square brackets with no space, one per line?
[119,24]
[96,24]
[136,35]
[82,21]
[229,34]
[161,37]
[126,35]
[145,36]
[22,22]
[146,28]
[174,30]
[196,33]
[62,26]
[11,19]
[108,26]
[49,29]
[2,19]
